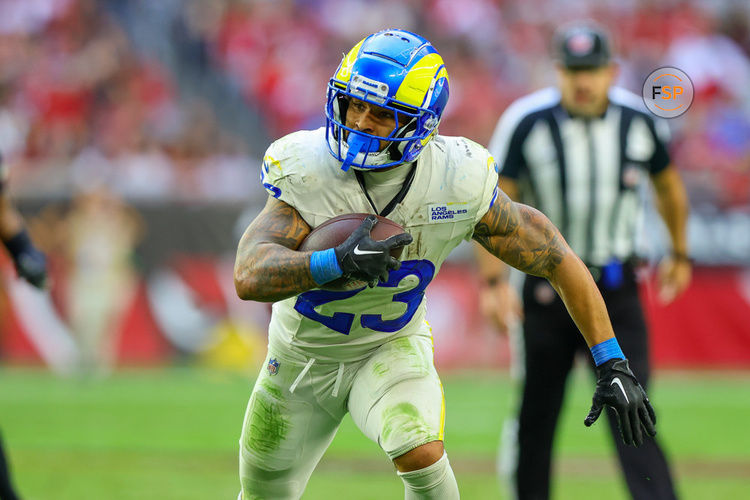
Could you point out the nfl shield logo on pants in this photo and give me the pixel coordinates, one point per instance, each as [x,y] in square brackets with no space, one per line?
[273,367]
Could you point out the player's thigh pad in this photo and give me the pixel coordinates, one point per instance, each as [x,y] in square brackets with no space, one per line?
[396,398]
[284,434]
[280,426]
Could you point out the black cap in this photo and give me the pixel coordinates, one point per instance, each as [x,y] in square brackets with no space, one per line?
[582,46]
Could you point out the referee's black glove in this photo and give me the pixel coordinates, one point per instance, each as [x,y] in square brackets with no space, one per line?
[362,258]
[617,387]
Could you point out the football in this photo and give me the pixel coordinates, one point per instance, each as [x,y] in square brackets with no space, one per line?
[335,231]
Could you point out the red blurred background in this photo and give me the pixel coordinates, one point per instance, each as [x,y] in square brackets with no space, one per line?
[133,131]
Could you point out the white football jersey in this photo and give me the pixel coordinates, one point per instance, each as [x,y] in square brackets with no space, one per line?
[454,185]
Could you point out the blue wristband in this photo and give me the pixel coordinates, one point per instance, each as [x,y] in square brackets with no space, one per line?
[604,351]
[324,266]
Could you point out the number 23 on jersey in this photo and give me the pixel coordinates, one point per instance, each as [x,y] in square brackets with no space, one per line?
[342,322]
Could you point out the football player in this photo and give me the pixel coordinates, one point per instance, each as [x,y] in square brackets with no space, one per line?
[30,265]
[368,350]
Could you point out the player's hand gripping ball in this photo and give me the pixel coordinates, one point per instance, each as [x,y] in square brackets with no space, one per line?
[367,247]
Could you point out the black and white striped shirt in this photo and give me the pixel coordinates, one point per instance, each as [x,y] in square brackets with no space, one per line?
[584,174]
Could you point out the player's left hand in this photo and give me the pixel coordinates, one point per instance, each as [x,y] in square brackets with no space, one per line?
[362,258]
[617,387]
[31,265]
[674,277]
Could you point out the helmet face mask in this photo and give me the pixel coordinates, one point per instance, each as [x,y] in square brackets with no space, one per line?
[395,70]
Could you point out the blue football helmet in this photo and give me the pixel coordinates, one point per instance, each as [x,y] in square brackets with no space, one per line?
[396,70]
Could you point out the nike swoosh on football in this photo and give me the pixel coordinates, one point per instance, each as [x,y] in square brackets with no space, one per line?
[617,381]
[357,251]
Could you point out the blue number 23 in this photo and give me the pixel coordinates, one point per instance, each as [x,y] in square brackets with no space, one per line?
[342,322]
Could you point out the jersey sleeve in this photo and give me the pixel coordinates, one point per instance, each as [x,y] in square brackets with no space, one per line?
[488,192]
[274,177]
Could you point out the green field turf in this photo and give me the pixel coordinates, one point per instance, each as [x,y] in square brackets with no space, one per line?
[171,434]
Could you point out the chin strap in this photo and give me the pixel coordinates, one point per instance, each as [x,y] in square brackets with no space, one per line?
[357,143]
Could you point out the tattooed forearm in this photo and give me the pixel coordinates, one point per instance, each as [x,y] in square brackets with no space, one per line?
[522,237]
[267,267]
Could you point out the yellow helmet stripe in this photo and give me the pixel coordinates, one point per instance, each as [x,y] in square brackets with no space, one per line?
[345,68]
[418,83]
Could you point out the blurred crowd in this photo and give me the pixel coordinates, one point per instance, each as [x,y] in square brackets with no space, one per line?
[87,101]
[81,110]
[169,105]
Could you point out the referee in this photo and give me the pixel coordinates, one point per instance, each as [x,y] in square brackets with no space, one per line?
[579,153]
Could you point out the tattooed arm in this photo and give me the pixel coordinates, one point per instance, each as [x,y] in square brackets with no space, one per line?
[524,238]
[268,267]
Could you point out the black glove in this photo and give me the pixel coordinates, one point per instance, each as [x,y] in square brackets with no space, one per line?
[362,258]
[618,388]
[31,265]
